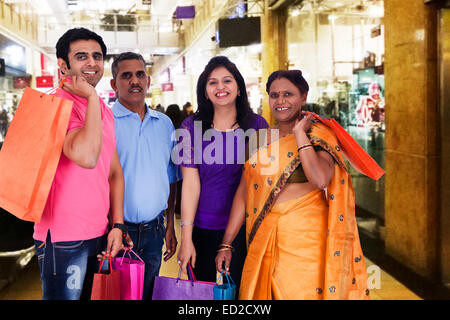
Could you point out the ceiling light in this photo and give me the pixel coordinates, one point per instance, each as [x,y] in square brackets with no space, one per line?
[332,17]
[295,12]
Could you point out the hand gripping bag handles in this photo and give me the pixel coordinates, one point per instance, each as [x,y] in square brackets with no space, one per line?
[131,276]
[30,153]
[106,286]
[352,151]
[166,288]
[225,291]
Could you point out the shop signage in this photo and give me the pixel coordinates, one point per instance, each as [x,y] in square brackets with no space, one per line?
[44,81]
[156,91]
[185,12]
[167,87]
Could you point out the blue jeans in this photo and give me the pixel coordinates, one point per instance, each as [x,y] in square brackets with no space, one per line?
[67,268]
[148,240]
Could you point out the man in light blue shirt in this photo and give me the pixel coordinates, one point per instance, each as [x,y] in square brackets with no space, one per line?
[144,144]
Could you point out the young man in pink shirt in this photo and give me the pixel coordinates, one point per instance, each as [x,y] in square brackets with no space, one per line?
[87,191]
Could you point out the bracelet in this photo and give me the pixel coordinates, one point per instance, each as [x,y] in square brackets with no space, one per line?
[304,147]
[224,245]
[186,223]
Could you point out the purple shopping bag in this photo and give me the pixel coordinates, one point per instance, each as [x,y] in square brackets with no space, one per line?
[166,288]
[131,276]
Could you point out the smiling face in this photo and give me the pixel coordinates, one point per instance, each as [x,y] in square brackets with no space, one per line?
[285,100]
[131,83]
[221,87]
[85,60]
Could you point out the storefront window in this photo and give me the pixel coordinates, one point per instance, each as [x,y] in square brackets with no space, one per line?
[12,81]
[339,46]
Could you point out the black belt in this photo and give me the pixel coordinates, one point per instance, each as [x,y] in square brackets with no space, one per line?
[147,224]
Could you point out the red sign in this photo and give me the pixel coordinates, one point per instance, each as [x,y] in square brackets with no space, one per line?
[44,82]
[167,87]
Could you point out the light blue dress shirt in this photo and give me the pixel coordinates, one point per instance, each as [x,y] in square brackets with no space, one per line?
[144,149]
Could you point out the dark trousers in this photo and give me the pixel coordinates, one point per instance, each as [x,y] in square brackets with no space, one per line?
[148,240]
[206,244]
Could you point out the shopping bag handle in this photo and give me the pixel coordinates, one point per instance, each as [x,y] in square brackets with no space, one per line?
[127,250]
[191,275]
[107,256]
[53,90]
[229,278]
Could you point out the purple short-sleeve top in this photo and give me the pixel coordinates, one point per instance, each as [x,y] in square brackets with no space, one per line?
[219,157]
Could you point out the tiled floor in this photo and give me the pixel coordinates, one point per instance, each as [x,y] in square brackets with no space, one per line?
[383,285]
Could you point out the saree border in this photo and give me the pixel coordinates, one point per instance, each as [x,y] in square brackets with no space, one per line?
[285,176]
[273,194]
[327,147]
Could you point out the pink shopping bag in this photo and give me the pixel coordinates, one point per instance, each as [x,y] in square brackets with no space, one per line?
[131,276]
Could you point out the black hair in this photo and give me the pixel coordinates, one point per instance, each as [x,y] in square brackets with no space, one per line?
[294,76]
[125,56]
[205,112]
[72,35]
[186,105]
[174,113]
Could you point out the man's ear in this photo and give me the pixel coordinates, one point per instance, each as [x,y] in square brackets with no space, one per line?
[63,66]
[112,82]
[149,82]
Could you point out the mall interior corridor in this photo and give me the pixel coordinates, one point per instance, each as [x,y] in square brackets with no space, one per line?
[378,70]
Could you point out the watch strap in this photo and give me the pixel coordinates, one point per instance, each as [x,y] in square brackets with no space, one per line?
[122,227]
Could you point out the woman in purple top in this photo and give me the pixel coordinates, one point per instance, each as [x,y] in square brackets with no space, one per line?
[212,169]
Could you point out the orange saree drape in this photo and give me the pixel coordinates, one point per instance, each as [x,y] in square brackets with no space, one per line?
[304,248]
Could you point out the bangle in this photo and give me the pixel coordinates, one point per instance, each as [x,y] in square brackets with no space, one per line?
[304,147]
[224,247]
[186,223]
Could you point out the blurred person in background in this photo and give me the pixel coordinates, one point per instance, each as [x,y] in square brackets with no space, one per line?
[188,110]
[174,113]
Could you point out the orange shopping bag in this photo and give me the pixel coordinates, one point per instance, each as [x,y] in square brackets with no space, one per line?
[354,153]
[30,153]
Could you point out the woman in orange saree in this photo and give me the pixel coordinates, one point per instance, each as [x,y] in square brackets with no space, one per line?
[297,199]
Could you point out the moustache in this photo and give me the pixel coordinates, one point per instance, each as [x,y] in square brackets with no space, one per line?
[135,87]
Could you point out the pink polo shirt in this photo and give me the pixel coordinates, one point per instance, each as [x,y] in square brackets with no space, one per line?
[78,203]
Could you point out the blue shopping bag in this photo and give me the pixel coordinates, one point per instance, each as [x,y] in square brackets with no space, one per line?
[225,291]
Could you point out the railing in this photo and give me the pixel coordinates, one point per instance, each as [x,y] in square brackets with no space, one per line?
[23,24]
[120,31]
[207,12]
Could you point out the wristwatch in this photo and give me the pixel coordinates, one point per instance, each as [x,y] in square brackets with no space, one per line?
[122,227]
